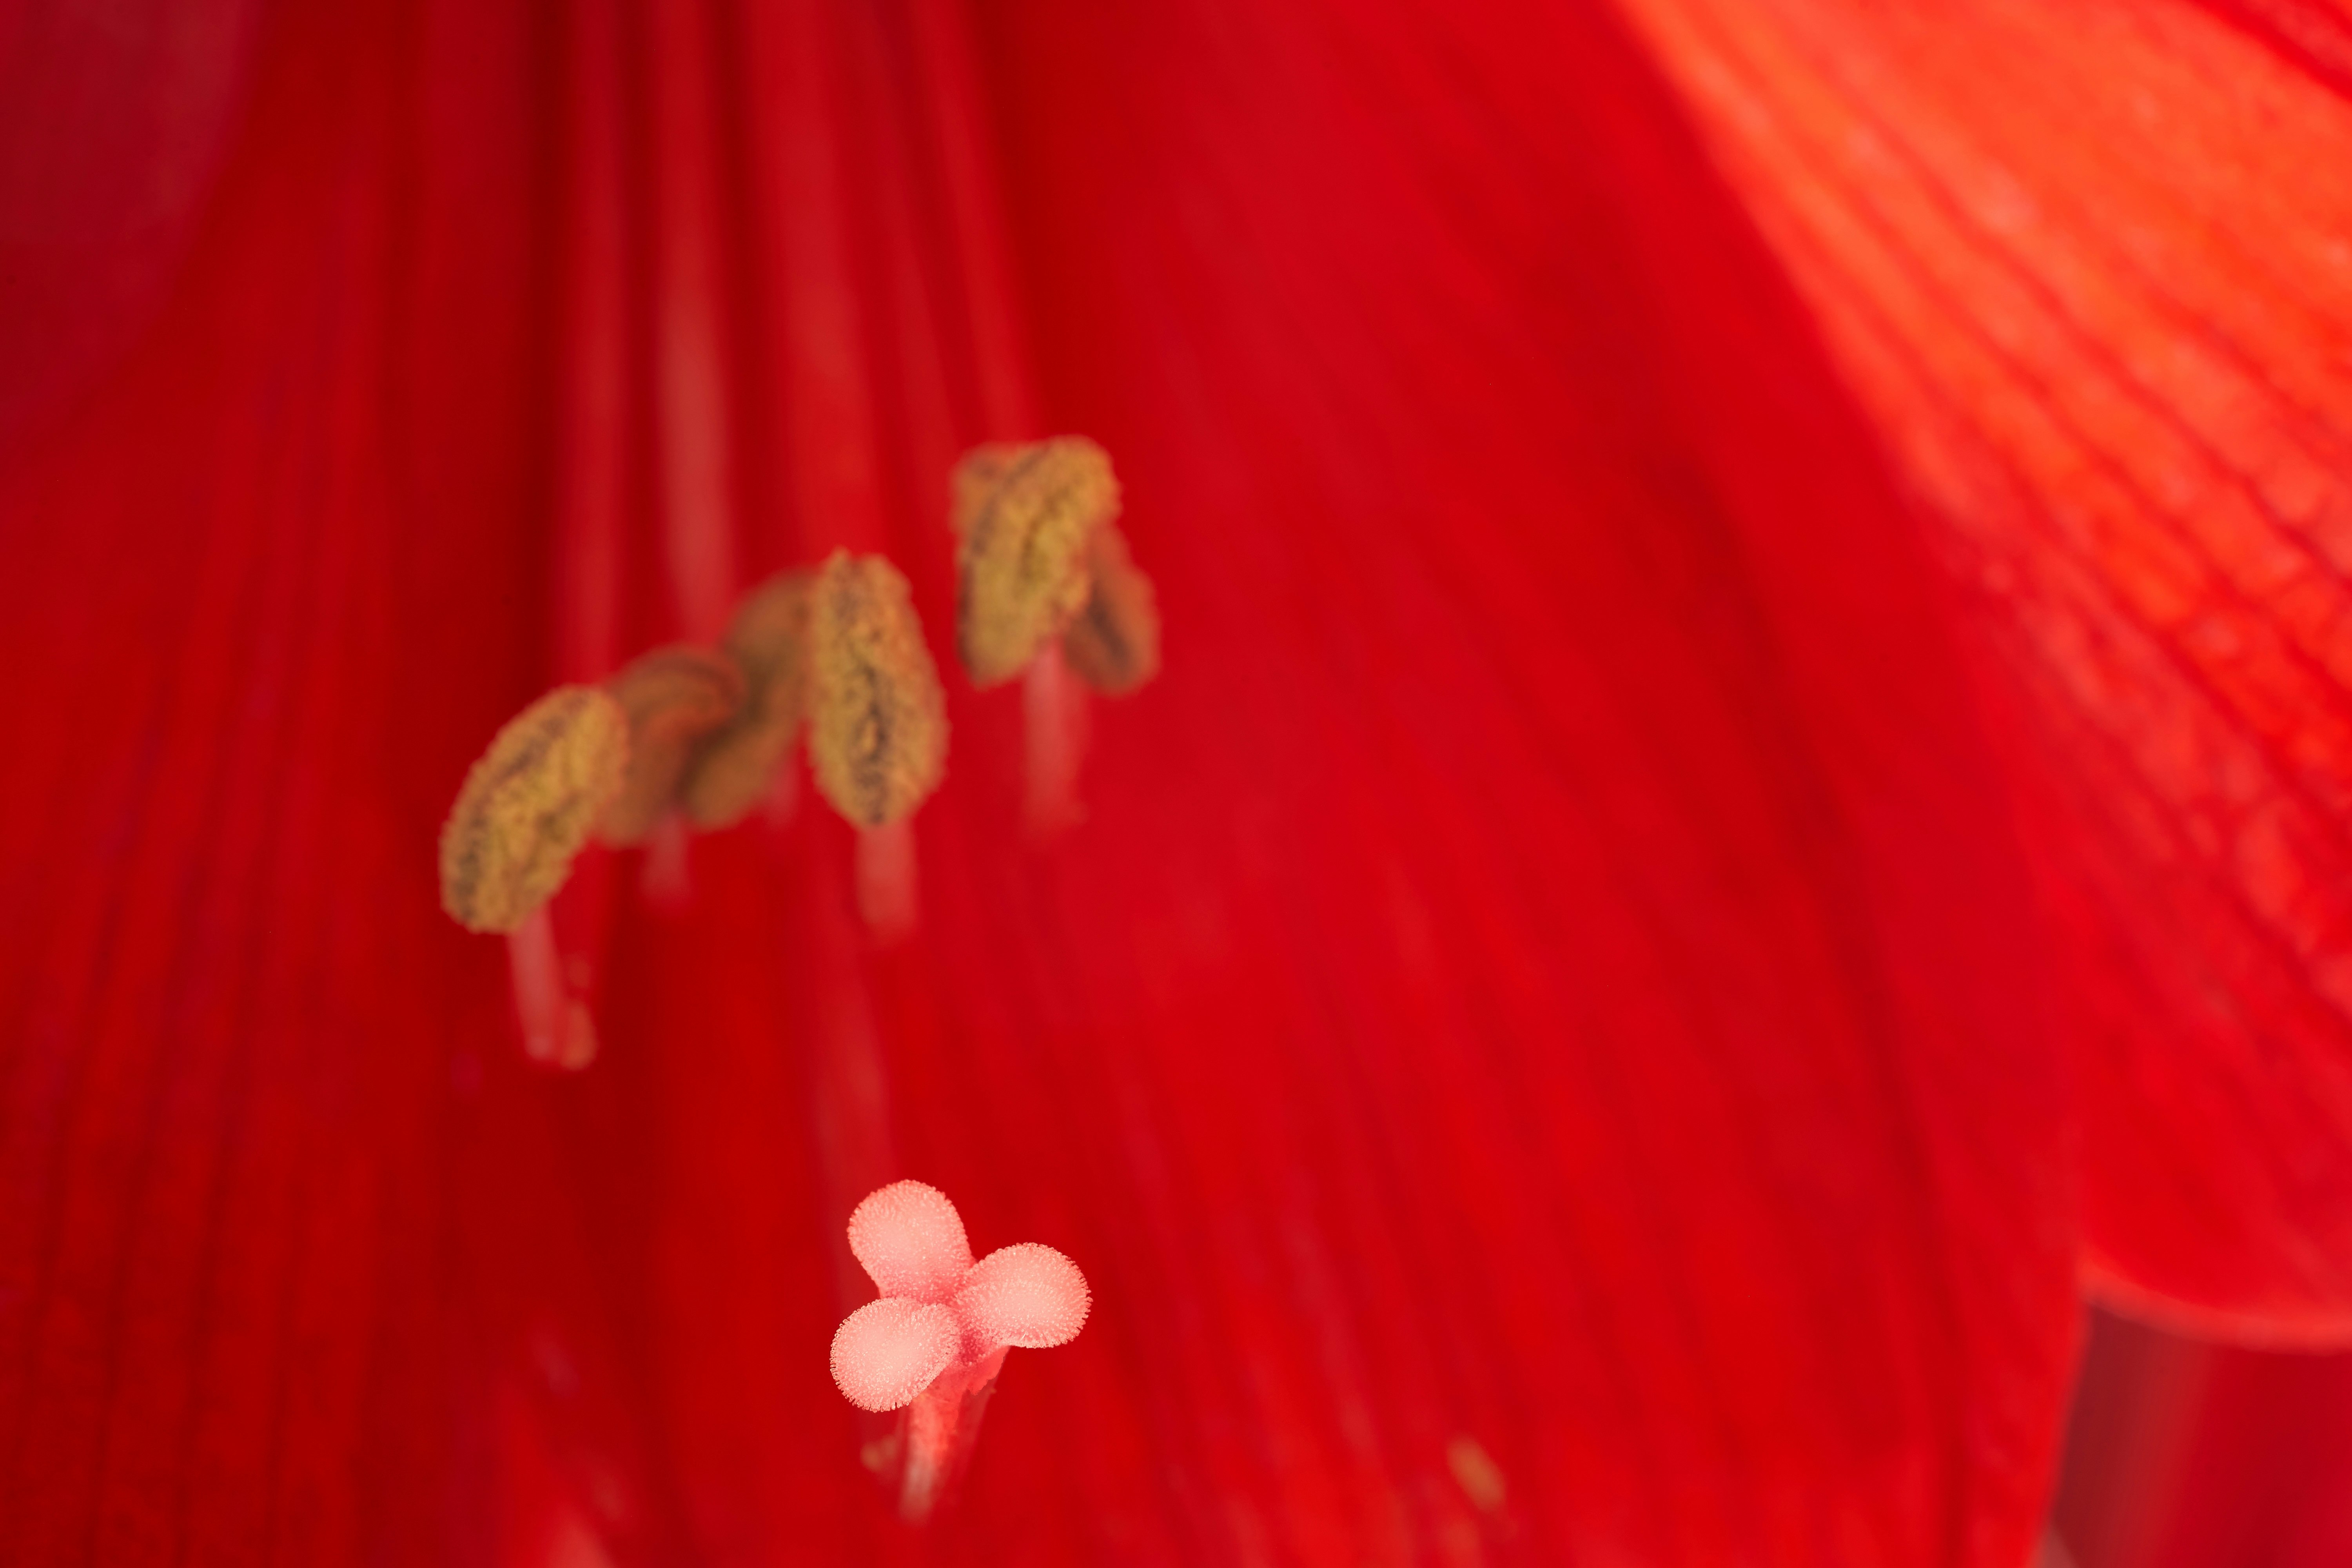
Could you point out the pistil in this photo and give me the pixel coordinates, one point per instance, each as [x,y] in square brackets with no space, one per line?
[934,1344]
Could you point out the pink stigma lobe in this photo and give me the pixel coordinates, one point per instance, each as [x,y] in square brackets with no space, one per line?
[1026,1295]
[910,1239]
[888,1352]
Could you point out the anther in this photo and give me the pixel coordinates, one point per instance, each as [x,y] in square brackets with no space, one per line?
[877,723]
[749,760]
[1113,645]
[674,697]
[1023,518]
[528,805]
[935,1343]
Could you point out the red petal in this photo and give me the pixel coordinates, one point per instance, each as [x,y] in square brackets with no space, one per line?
[274,1232]
[2087,265]
[113,123]
[1541,995]
[2184,1455]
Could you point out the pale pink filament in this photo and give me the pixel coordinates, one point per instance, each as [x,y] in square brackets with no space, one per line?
[886,879]
[540,1003]
[934,1343]
[1053,727]
[557,1028]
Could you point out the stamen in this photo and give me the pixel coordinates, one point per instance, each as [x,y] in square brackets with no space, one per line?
[527,806]
[1023,518]
[520,820]
[877,724]
[889,1355]
[745,762]
[1045,586]
[674,697]
[1114,644]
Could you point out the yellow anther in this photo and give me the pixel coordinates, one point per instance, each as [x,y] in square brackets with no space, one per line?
[673,697]
[974,482]
[528,805]
[737,766]
[877,718]
[1024,517]
[1114,644]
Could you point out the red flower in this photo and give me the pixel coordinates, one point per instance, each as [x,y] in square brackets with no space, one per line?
[1548,1044]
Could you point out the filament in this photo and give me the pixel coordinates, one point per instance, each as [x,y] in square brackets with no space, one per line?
[886,879]
[1053,726]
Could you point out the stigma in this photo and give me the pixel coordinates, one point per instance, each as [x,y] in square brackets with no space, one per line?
[934,1343]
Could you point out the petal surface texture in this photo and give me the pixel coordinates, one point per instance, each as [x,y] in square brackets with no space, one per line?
[1026,1295]
[2087,267]
[1537,1040]
[888,1352]
[910,1240]
[2184,1453]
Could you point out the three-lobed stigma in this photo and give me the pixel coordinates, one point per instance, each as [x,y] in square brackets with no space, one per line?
[910,1241]
[933,1344]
